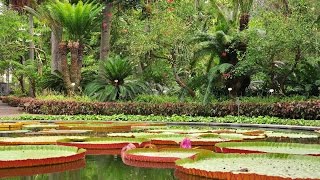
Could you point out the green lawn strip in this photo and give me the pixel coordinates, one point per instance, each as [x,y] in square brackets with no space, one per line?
[175,118]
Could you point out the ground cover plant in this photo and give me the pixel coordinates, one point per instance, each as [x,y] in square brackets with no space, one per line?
[174,118]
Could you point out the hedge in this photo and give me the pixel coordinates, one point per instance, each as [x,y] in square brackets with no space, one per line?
[293,110]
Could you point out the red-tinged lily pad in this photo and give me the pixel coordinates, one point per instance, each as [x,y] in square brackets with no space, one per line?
[144,164]
[161,155]
[32,155]
[35,140]
[268,147]
[251,166]
[102,143]
[291,135]
[46,169]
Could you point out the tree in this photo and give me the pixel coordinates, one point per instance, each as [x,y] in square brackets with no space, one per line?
[78,21]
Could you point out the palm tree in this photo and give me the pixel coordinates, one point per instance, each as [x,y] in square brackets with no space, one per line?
[77,20]
[115,82]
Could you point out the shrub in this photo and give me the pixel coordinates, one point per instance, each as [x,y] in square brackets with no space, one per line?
[293,110]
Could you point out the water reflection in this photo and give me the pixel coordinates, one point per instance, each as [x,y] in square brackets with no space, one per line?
[102,167]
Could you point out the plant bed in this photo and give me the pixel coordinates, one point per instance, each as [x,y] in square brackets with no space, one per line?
[44,169]
[165,155]
[25,156]
[102,143]
[268,147]
[253,166]
[35,140]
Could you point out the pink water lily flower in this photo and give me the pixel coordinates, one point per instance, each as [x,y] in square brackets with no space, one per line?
[185,143]
[126,148]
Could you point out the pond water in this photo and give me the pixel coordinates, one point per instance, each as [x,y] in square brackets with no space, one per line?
[109,167]
[103,167]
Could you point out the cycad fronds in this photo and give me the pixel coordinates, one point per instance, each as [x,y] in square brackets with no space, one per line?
[115,82]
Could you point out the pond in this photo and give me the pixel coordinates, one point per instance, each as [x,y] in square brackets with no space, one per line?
[98,167]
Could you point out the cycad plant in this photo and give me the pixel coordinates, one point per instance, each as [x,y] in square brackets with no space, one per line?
[115,82]
[78,20]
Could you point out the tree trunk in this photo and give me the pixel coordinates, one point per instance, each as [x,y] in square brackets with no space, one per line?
[244,21]
[31,45]
[56,37]
[32,87]
[74,67]
[106,31]
[80,58]
[65,68]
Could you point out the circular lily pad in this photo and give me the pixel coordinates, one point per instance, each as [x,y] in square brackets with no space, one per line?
[101,143]
[236,136]
[61,132]
[97,127]
[253,166]
[23,156]
[35,140]
[160,155]
[10,126]
[38,127]
[12,133]
[290,135]
[268,147]
[144,164]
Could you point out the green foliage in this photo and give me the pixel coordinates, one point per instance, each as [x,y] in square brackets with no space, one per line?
[115,82]
[300,109]
[78,19]
[174,118]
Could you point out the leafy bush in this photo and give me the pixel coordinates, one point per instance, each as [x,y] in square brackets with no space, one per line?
[294,110]
[115,82]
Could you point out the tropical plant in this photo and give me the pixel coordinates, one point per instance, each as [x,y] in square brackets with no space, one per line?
[78,21]
[115,82]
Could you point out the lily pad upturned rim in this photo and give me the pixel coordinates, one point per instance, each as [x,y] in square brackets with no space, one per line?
[229,175]
[78,154]
[44,169]
[82,143]
[130,154]
[46,142]
[231,147]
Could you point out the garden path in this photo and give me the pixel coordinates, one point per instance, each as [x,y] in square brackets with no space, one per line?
[6,110]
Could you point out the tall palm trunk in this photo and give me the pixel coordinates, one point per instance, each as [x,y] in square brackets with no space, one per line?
[56,37]
[244,21]
[106,31]
[65,68]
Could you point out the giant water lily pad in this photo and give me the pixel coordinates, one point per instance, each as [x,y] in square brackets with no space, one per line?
[97,127]
[22,156]
[37,127]
[290,135]
[267,147]
[133,134]
[161,155]
[253,166]
[101,143]
[43,169]
[62,132]
[236,136]
[10,126]
[35,140]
